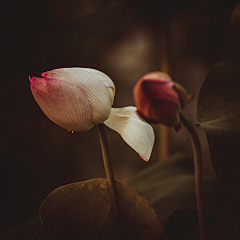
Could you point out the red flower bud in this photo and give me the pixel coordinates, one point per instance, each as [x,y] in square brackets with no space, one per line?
[159,99]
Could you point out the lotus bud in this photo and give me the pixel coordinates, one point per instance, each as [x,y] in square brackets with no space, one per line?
[74,98]
[159,99]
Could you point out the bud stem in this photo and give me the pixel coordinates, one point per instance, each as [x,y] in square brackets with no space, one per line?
[111,181]
[197,153]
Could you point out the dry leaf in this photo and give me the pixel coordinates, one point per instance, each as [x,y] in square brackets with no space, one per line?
[82,210]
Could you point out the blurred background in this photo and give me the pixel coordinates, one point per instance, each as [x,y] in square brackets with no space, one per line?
[124,39]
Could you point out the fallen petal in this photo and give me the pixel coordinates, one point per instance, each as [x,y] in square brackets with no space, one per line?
[135,131]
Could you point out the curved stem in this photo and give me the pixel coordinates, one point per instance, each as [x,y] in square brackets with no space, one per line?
[197,152]
[110,178]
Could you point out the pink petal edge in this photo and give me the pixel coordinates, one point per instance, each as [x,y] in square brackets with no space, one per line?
[146,160]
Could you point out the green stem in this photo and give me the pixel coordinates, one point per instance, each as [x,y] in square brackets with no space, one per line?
[110,178]
[197,152]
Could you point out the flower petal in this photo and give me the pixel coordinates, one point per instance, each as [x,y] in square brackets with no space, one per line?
[105,79]
[137,133]
[95,85]
[63,103]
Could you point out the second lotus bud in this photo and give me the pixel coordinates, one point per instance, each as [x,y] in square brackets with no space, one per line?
[159,99]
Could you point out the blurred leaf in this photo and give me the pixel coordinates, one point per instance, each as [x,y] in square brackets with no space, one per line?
[169,186]
[183,219]
[215,231]
[218,112]
[82,210]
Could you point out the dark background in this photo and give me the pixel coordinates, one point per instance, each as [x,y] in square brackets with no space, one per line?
[122,39]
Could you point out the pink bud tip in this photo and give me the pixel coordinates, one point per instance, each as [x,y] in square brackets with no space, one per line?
[44,74]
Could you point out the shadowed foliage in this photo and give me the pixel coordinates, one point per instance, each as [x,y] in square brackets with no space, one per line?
[82,210]
[218,112]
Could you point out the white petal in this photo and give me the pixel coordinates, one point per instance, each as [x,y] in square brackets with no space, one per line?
[135,131]
[105,79]
[95,85]
[64,104]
